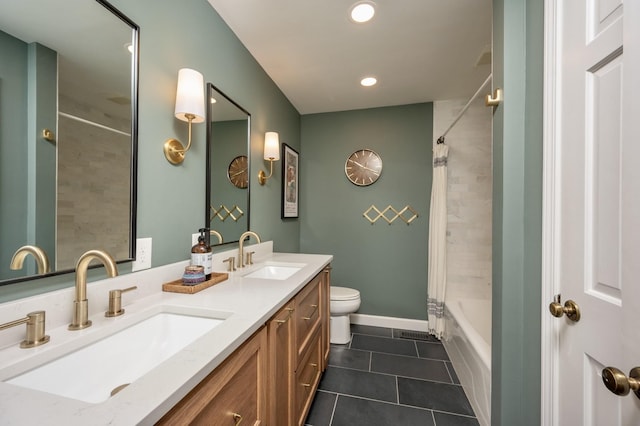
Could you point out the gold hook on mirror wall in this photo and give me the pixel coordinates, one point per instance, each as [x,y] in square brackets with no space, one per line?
[189,108]
[495,99]
[48,136]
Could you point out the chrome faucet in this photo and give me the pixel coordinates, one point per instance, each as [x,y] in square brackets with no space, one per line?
[81,304]
[41,258]
[217,234]
[241,246]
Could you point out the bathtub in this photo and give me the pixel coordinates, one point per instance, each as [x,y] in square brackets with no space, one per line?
[467,339]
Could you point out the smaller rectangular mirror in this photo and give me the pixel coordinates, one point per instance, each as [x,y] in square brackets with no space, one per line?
[228,167]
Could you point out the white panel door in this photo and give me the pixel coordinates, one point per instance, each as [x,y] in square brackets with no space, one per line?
[596,234]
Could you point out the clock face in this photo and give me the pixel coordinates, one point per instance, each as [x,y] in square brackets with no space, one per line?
[363,167]
[238,172]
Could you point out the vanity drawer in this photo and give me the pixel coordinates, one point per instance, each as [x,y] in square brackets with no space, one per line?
[308,377]
[234,392]
[307,314]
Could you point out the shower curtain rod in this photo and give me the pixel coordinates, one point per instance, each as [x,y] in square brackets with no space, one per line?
[464,109]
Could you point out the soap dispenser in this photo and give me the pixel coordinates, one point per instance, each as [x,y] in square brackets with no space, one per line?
[201,253]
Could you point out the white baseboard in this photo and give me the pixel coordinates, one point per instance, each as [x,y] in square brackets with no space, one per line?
[390,322]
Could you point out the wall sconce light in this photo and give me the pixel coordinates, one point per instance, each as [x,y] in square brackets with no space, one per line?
[189,108]
[271,153]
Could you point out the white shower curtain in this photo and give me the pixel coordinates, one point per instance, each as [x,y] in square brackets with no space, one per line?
[437,262]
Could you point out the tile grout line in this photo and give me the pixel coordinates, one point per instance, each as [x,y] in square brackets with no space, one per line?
[397,391]
[449,372]
[333,411]
[389,374]
[347,395]
[395,354]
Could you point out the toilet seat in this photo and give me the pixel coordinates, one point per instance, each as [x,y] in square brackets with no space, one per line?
[343,293]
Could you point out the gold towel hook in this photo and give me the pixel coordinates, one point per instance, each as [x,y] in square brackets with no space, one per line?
[495,99]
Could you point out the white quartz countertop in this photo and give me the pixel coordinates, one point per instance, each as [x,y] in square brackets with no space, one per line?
[246,303]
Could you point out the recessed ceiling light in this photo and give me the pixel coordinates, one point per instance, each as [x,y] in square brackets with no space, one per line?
[362,11]
[368,81]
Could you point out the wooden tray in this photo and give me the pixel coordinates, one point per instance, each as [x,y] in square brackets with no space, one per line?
[177,286]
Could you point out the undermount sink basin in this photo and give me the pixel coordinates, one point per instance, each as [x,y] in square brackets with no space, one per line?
[275,271]
[97,371]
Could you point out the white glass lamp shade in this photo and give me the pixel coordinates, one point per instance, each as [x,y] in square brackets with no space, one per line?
[190,95]
[271,146]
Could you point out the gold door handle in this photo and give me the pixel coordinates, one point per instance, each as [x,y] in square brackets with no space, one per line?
[570,309]
[618,383]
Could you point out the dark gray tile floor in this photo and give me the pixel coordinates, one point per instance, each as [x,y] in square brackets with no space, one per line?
[382,379]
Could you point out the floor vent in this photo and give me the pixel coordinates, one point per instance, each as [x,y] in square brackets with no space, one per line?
[415,335]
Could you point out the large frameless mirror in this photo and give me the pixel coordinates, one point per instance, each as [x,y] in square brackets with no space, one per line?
[227,167]
[68,139]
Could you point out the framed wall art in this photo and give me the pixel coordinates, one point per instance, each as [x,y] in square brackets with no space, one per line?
[290,182]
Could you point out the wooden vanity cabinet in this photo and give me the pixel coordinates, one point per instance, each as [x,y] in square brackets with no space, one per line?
[307,377]
[282,357]
[295,370]
[234,392]
[272,378]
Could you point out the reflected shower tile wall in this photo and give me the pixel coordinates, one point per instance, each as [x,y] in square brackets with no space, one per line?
[469,196]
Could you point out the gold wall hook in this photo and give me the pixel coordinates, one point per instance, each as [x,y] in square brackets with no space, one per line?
[495,99]
[396,214]
[48,136]
[223,212]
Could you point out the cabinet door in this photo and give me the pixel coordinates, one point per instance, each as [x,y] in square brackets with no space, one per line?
[307,314]
[308,376]
[233,393]
[281,366]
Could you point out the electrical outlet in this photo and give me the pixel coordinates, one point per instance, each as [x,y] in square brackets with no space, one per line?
[194,239]
[143,255]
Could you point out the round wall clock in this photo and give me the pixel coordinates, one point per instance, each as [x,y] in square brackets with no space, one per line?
[238,172]
[363,167]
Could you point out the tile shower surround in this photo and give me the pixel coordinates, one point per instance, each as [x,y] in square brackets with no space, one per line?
[469,196]
[380,379]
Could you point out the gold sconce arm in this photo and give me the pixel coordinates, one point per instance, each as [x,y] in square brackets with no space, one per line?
[262,176]
[174,151]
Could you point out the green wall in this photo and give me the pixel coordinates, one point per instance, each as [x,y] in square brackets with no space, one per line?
[27,105]
[387,263]
[517,212]
[13,146]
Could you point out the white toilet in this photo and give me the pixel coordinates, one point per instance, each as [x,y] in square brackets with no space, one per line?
[344,301]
